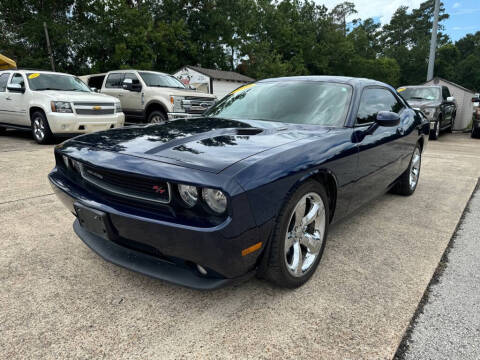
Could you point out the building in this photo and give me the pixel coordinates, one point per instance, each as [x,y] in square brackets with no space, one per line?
[217,82]
[463,97]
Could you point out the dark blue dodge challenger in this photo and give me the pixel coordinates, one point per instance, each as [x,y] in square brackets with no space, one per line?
[249,188]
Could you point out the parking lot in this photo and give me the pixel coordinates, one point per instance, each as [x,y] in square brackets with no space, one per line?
[59,299]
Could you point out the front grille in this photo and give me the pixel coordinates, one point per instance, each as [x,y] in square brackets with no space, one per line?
[90,108]
[127,186]
[197,105]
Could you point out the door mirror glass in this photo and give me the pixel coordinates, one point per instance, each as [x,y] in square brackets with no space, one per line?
[450,99]
[16,88]
[387,118]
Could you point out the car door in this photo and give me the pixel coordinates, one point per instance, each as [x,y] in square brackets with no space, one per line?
[379,148]
[16,103]
[113,86]
[132,102]
[3,97]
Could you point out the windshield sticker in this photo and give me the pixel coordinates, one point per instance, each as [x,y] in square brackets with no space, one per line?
[400,89]
[33,76]
[242,88]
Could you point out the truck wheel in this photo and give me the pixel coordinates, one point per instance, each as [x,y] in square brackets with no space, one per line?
[435,133]
[40,128]
[157,117]
[475,132]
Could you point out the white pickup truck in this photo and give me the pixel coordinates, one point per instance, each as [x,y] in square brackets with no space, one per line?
[52,104]
[149,96]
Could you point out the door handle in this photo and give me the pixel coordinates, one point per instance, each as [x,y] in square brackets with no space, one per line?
[400,131]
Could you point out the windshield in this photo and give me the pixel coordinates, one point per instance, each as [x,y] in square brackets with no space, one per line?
[420,93]
[298,102]
[42,81]
[160,80]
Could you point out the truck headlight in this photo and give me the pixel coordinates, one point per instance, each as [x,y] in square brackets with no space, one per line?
[61,107]
[429,112]
[176,101]
[118,107]
[215,199]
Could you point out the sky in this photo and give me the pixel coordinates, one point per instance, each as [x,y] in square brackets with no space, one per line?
[464,14]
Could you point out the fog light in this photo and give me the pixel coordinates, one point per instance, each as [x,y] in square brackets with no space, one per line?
[201,270]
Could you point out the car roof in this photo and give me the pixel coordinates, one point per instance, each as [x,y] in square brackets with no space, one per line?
[420,86]
[146,71]
[25,71]
[354,81]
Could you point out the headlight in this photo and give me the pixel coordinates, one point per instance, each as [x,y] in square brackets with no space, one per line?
[118,107]
[429,112]
[61,107]
[215,199]
[176,101]
[189,194]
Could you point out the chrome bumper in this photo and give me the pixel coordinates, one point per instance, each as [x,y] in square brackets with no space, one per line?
[175,116]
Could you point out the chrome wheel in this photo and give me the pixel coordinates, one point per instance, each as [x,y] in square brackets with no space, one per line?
[415,168]
[39,128]
[157,119]
[305,234]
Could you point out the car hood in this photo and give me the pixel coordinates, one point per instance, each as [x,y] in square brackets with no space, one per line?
[421,104]
[208,144]
[73,96]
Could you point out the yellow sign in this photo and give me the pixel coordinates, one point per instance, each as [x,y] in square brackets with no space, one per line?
[242,88]
[33,76]
[400,89]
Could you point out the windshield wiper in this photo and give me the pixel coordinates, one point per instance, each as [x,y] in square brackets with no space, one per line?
[41,89]
[418,98]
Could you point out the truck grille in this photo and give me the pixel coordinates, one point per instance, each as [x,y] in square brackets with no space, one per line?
[197,105]
[88,108]
[127,186]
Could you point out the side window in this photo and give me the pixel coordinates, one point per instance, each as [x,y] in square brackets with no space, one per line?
[18,79]
[134,78]
[374,100]
[114,80]
[445,92]
[3,81]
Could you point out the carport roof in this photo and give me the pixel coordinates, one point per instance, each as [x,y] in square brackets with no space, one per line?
[221,74]
[7,63]
[436,79]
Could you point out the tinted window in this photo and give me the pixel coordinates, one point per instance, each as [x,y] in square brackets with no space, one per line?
[420,93]
[18,79]
[299,102]
[3,81]
[374,100]
[133,77]
[114,80]
[445,92]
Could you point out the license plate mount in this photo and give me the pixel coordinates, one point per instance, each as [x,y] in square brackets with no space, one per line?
[92,220]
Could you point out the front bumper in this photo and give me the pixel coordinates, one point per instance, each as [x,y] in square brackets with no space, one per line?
[218,249]
[81,124]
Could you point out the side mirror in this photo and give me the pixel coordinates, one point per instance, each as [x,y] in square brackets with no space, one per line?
[450,99]
[387,118]
[191,87]
[475,99]
[127,84]
[94,89]
[16,88]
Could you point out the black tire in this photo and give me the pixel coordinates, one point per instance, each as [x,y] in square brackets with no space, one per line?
[452,123]
[276,270]
[404,186]
[40,129]
[475,132]
[2,131]
[435,132]
[157,117]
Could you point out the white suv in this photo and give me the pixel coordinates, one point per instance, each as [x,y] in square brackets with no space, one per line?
[52,103]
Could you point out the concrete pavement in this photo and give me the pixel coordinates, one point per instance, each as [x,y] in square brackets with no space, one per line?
[58,299]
